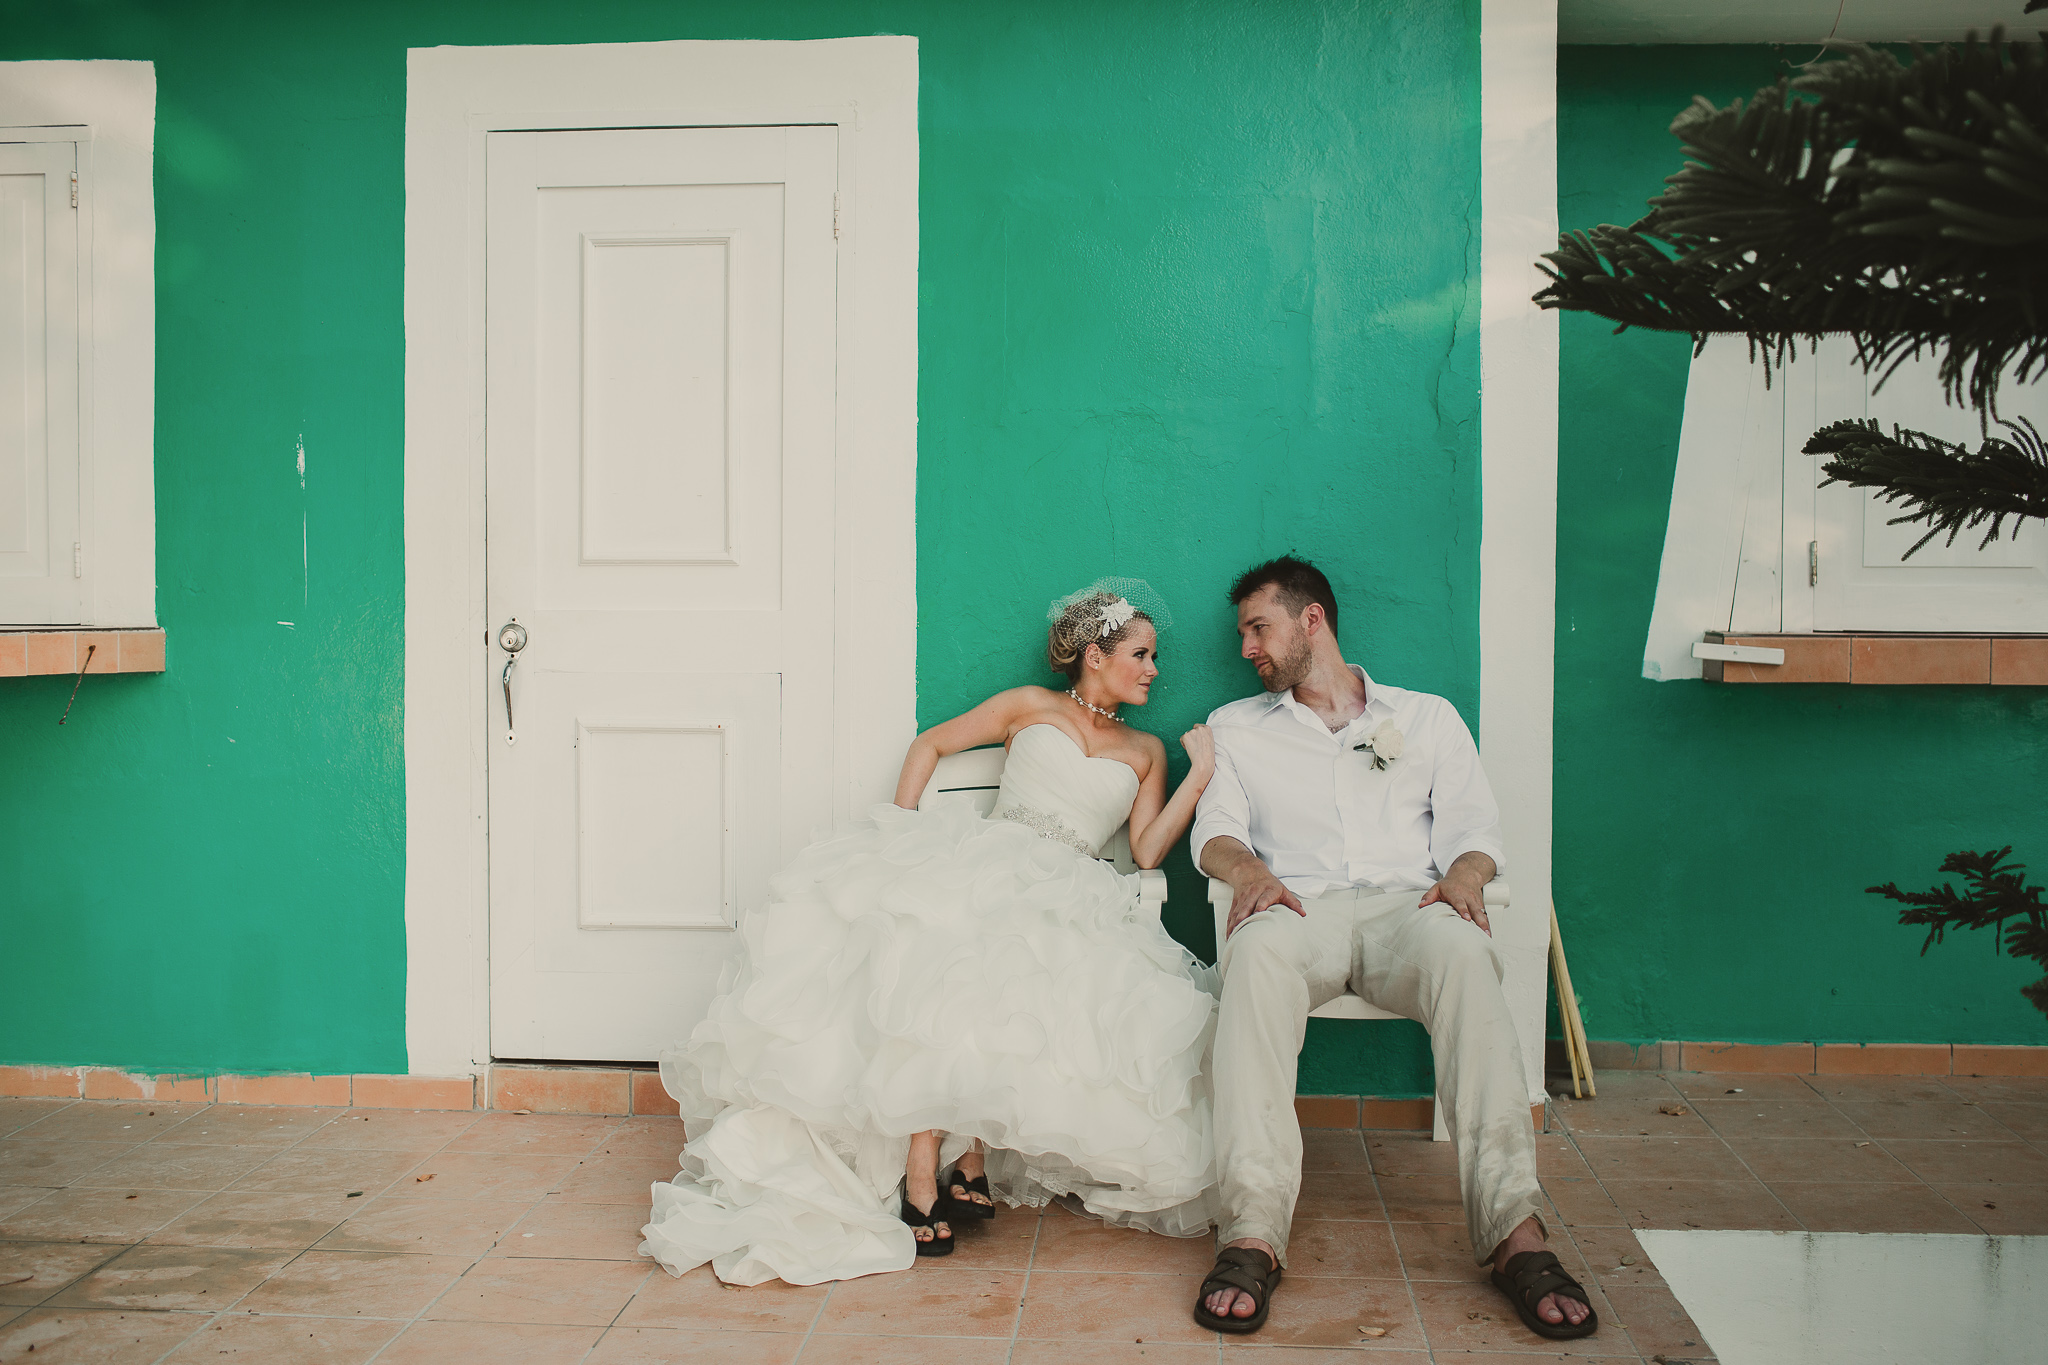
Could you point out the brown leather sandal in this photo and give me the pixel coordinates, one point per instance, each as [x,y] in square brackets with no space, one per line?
[1247,1270]
[1530,1276]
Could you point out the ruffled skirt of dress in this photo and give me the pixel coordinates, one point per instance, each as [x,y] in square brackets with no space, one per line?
[934,969]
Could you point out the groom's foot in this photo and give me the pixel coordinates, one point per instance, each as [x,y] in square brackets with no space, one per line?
[1235,1303]
[1552,1308]
[973,1165]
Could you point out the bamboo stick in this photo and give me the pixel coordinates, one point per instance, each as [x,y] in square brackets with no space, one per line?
[1568,1008]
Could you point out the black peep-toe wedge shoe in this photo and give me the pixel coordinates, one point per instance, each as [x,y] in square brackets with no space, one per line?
[941,1244]
[969,1208]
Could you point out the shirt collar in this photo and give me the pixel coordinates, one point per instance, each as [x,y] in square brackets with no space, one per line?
[1373,697]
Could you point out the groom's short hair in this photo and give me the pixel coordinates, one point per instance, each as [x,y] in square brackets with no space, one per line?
[1296,582]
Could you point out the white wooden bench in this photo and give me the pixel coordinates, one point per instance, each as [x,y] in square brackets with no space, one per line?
[977,773]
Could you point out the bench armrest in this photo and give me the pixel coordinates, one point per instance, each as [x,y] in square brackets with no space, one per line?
[1151,892]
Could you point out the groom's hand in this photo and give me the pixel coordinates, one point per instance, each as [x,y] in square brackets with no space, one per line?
[1463,888]
[1258,890]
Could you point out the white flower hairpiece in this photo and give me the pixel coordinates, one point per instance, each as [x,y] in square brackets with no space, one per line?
[1116,615]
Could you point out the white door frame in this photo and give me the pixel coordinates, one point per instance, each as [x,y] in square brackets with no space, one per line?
[455,97]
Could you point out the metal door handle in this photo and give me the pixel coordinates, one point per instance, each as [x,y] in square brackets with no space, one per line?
[511,639]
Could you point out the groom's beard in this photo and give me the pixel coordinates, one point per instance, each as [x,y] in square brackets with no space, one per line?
[1288,670]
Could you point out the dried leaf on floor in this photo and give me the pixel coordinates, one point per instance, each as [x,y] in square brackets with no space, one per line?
[1673,1109]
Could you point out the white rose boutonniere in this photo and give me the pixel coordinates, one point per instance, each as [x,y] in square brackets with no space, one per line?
[1384,744]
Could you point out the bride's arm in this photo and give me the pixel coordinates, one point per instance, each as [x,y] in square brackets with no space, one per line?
[988,723]
[1156,825]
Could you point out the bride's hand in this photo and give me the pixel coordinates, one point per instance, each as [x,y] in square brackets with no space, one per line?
[1201,747]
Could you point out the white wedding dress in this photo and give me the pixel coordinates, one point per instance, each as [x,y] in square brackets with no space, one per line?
[935,969]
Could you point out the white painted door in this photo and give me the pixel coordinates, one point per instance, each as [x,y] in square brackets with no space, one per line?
[661,418]
[39,508]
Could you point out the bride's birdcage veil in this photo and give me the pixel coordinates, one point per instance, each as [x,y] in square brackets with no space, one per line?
[1099,614]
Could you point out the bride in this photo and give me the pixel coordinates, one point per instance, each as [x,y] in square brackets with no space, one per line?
[931,985]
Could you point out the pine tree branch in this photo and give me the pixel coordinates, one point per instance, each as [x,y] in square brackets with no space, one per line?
[1905,205]
[1949,487]
[1998,892]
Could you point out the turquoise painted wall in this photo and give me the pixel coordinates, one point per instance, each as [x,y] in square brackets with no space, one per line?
[1195,290]
[1712,843]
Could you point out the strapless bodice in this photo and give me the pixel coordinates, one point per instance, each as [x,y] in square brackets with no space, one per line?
[1050,785]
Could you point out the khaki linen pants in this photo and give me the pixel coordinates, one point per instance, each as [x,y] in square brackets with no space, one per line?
[1424,962]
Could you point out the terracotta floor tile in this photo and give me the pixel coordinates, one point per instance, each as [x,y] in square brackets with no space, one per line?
[836,1350]
[271,1340]
[1603,1345]
[2029,1121]
[488,1175]
[53,1265]
[1614,1085]
[396,1130]
[1004,1242]
[1715,1085]
[1237,1352]
[97,1215]
[1340,1195]
[1682,1204]
[289,1222]
[571,1231]
[1656,1322]
[931,1300]
[450,1227]
[308,1171]
[645,1136]
[1882,1089]
[50,1163]
[1067,1241]
[1558,1155]
[1633,1117]
[99,1336]
[1858,1160]
[614,1179]
[565,1293]
[128,1121]
[1746,1118]
[665,1346]
[189,1279]
[1069,1306]
[176,1166]
[1965,1163]
[489,1343]
[264,1124]
[1437,1251]
[537,1134]
[1336,1149]
[1395,1155]
[700,1300]
[1117,1353]
[1657,1158]
[1422,1198]
[1870,1208]
[1603,1251]
[1345,1250]
[1583,1203]
[1920,1120]
[2023,1089]
[8,1315]
[17,1113]
[1474,1317]
[367,1284]
[2003,1210]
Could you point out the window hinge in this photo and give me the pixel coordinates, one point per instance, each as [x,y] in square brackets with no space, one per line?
[835,215]
[74,189]
[77,559]
[1812,563]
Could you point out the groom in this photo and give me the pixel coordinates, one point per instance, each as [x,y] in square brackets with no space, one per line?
[1357,832]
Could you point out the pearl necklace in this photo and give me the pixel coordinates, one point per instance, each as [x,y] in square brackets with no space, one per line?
[1107,715]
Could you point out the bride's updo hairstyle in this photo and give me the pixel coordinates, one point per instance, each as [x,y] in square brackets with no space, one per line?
[1100,614]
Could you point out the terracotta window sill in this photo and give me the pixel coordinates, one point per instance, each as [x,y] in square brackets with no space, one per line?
[2000,660]
[37,653]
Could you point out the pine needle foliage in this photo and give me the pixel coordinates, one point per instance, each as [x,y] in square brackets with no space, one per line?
[1905,204]
[1949,487]
[1998,892]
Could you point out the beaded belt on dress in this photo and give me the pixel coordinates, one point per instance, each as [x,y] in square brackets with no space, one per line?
[1047,826]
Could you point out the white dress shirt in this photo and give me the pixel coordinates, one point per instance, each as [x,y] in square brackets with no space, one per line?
[1323,818]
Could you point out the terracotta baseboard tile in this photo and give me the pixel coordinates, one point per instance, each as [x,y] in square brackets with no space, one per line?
[1909,660]
[1882,1059]
[51,652]
[40,1082]
[1808,659]
[561,1090]
[13,657]
[1400,1114]
[1792,1059]
[650,1098]
[1326,1111]
[142,651]
[413,1092]
[1620,1056]
[283,1090]
[1981,1059]
[108,1083]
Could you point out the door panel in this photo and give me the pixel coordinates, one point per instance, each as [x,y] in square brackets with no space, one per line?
[660,455]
